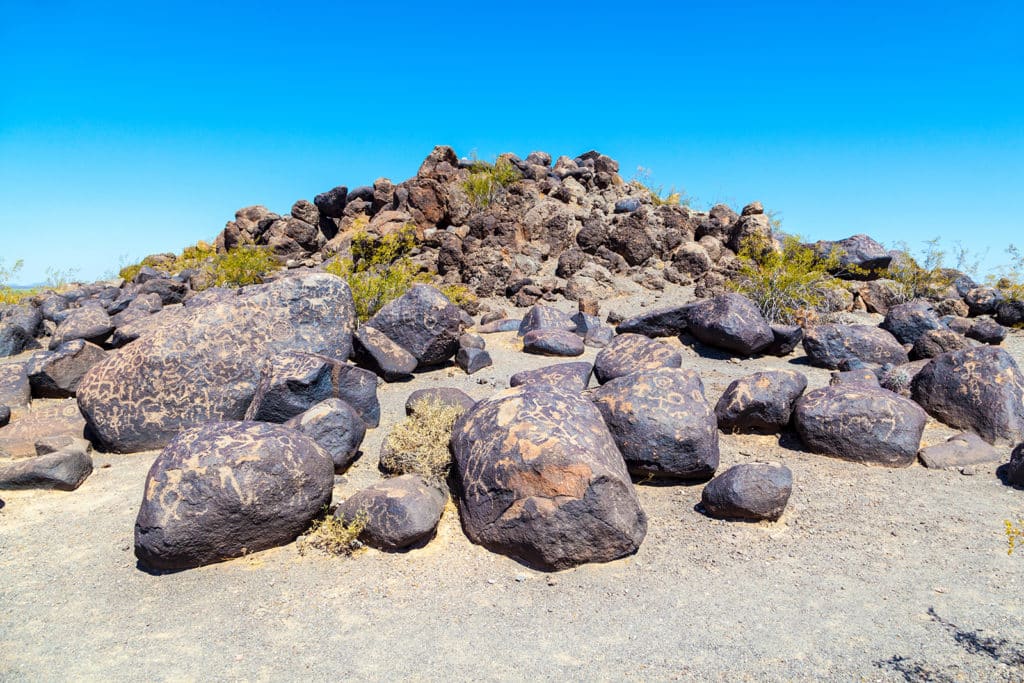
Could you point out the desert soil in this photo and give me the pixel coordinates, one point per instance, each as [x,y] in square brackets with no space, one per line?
[871,574]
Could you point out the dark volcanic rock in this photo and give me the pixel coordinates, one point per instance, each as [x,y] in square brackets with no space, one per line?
[446,396]
[862,377]
[961,450]
[907,322]
[763,401]
[566,376]
[553,343]
[661,423]
[861,424]
[1015,468]
[65,469]
[91,324]
[291,383]
[14,387]
[987,331]
[399,512]
[473,360]
[632,353]
[1010,313]
[336,427]
[48,419]
[785,338]
[57,374]
[541,480]
[423,322]
[860,251]
[389,359]
[829,345]
[204,364]
[731,322]
[546,318]
[898,378]
[937,342]
[226,489]
[14,340]
[505,325]
[5,415]
[982,300]
[755,491]
[662,322]
[979,389]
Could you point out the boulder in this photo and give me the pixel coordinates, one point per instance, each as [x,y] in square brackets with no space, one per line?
[473,360]
[58,374]
[5,415]
[205,363]
[979,389]
[897,378]
[861,377]
[376,350]
[880,295]
[937,342]
[862,424]
[446,396]
[567,376]
[504,325]
[907,322]
[662,322]
[1010,313]
[541,480]
[632,353]
[169,290]
[14,340]
[48,419]
[553,343]
[227,489]
[25,316]
[292,383]
[982,300]
[14,387]
[599,337]
[785,338]
[754,492]
[960,450]
[760,402]
[336,427]
[731,322]
[1015,468]
[858,251]
[661,423]
[829,345]
[423,322]
[91,324]
[398,513]
[65,470]
[987,331]
[546,318]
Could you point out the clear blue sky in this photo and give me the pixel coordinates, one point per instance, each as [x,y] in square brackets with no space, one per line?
[132,128]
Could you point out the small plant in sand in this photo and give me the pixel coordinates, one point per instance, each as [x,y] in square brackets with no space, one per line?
[333,536]
[419,443]
[1014,534]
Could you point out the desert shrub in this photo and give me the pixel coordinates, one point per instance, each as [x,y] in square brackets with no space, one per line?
[378,270]
[246,264]
[1009,277]
[9,294]
[923,277]
[331,535]
[1014,534]
[787,283]
[460,295]
[419,443]
[200,256]
[659,196]
[486,182]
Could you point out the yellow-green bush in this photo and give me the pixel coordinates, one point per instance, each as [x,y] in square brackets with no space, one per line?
[460,295]
[922,277]
[1014,534]
[8,294]
[331,535]
[419,443]
[246,264]
[486,181]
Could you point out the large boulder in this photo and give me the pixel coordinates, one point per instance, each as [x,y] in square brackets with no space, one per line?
[205,363]
[15,389]
[336,427]
[90,323]
[907,322]
[423,322]
[14,339]
[661,423]
[937,342]
[65,470]
[632,353]
[387,358]
[58,374]
[545,318]
[541,480]
[856,254]
[567,376]
[860,423]
[669,321]
[979,389]
[760,402]
[397,513]
[731,322]
[50,419]
[1010,313]
[229,488]
[553,343]
[829,345]
[753,492]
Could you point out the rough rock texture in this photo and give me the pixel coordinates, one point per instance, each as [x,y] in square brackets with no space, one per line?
[979,389]
[226,489]
[546,318]
[785,339]
[91,324]
[58,374]
[934,343]
[553,343]
[423,322]
[5,415]
[540,479]
[907,322]
[661,423]
[567,376]
[336,427]
[960,450]
[862,377]
[206,365]
[384,356]
[860,251]
[1009,313]
[65,470]
[473,360]
[446,396]
[754,491]
[761,402]
[987,331]
[861,424]
[399,512]
[14,340]
[14,387]
[53,418]
[669,321]
[1015,468]
[829,345]
[731,322]
[632,353]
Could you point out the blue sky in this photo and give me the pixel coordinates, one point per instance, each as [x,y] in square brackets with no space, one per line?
[133,128]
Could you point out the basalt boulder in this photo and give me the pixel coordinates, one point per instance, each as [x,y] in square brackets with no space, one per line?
[752,492]
[57,374]
[423,322]
[663,322]
[374,349]
[336,427]
[65,470]
[445,396]
[937,342]
[760,402]
[14,339]
[567,376]
[91,324]
[907,322]
[628,353]
[398,513]
[553,343]
[731,322]
[960,450]
[226,489]
[541,480]
[1015,468]
[661,423]
[14,386]
[987,331]
[545,318]
[829,345]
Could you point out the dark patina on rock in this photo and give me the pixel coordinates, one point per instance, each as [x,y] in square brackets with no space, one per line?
[731,322]
[445,396]
[753,492]
[336,427]
[65,470]
[378,352]
[960,450]
[553,343]
[761,402]
[540,479]
[907,322]
[423,322]
[829,345]
[57,374]
[399,512]
[568,376]
[669,321]
[631,353]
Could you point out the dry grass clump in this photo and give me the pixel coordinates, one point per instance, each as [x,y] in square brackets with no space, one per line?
[332,536]
[419,443]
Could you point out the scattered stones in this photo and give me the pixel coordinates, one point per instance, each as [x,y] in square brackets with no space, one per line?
[861,424]
[754,492]
[423,322]
[389,359]
[446,396]
[661,423]
[662,322]
[64,470]
[987,331]
[731,322]
[632,353]
[907,322]
[549,342]
[979,389]
[473,360]
[226,489]
[960,450]
[57,374]
[91,324]
[399,512]
[829,345]
[566,376]
[541,480]
[760,402]
[336,427]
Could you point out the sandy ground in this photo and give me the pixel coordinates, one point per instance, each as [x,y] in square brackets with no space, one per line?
[871,574]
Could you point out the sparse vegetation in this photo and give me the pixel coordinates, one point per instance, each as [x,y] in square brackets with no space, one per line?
[1009,278]
[419,443]
[333,536]
[379,269]
[659,197]
[1014,534]
[8,294]
[486,182]
[924,276]
[787,284]
[460,295]
[246,264]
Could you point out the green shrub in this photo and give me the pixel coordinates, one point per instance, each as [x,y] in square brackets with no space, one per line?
[419,443]
[246,264]
[487,182]
[1009,278]
[8,294]
[787,283]
[331,535]
[924,277]
[460,295]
